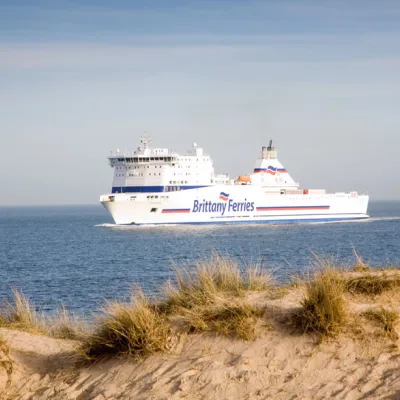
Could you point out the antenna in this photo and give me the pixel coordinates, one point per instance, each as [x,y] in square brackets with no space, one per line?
[144,142]
[270,145]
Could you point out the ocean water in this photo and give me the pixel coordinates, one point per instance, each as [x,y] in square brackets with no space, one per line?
[75,256]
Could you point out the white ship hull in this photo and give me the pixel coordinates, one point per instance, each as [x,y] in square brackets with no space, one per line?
[232,204]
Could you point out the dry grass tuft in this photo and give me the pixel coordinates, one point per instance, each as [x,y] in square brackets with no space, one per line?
[5,360]
[133,329]
[360,264]
[256,280]
[373,284]
[322,309]
[212,297]
[233,319]
[213,278]
[387,319]
[66,326]
[22,315]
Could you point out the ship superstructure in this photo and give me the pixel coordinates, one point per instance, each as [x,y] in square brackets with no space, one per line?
[161,170]
[158,186]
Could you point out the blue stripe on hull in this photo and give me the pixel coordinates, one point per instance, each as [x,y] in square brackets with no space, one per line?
[151,189]
[252,222]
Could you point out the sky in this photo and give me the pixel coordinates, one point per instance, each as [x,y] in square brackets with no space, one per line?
[81,78]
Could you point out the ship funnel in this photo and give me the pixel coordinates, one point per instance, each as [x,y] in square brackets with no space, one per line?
[269,152]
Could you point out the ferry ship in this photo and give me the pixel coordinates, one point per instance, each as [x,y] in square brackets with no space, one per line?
[155,186]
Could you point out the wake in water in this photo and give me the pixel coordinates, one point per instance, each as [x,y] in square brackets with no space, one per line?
[116,226]
[127,227]
[384,219]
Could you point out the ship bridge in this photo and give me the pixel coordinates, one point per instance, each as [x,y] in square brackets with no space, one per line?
[161,170]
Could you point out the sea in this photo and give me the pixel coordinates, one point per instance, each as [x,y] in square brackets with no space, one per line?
[74,256]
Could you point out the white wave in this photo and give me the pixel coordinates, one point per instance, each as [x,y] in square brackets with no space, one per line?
[238,226]
[106,225]
[115,226]
[384,219]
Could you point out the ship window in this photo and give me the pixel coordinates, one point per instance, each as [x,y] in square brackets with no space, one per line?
[153,210]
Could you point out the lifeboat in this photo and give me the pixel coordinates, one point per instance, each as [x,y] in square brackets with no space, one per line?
[243,180]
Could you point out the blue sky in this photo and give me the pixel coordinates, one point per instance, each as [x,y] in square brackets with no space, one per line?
[79,78]
[115,21]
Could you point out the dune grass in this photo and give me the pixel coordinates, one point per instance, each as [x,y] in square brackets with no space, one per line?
[322,308]
[5,360]
[387,320]
[20,314]
[235,319]
[373,284]
[212,279]
[360,266]
[215,296]
[135,329]
[66,326]
[210,298]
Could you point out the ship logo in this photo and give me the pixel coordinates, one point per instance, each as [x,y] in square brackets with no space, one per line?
[270,170]
[224,196]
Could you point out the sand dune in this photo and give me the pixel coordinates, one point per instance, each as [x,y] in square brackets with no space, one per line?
[361,363]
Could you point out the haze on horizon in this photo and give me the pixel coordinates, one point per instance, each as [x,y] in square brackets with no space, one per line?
[81,78]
